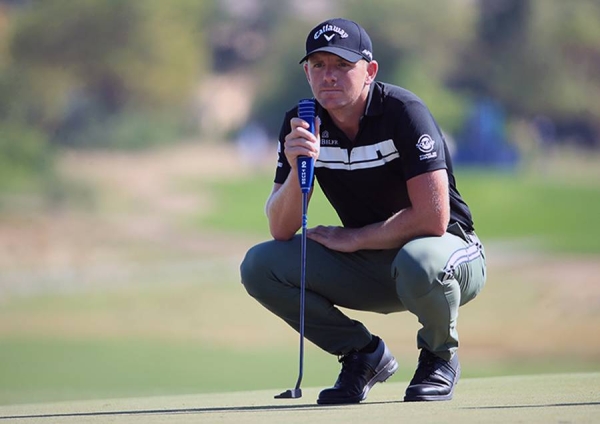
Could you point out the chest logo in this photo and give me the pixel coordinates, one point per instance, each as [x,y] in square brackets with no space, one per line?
[327,141]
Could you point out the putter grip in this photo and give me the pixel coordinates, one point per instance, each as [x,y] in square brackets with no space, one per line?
[306,111]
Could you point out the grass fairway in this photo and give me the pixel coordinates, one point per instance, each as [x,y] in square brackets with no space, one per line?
[139,297]
[549,215]
[558,398]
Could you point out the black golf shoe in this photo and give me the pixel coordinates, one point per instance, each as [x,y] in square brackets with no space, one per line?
[434,379]
[360,371]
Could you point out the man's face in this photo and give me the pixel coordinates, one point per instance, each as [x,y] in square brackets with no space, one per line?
[337,83]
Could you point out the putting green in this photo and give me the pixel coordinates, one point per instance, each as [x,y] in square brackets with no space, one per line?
[556,398]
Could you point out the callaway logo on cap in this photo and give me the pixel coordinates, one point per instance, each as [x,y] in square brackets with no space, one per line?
[341,37]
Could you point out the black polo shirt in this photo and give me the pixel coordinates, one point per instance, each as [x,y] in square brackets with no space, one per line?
[365,179]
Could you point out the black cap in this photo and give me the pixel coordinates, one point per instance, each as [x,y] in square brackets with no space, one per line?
[341,37]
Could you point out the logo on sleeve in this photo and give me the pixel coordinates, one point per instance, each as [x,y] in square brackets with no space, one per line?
[426,144]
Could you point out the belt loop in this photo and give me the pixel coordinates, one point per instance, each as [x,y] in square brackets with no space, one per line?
[474,239]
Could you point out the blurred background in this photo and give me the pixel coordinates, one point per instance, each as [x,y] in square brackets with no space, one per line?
[137,149]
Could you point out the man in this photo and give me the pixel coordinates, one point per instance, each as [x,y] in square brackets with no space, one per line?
[407,240]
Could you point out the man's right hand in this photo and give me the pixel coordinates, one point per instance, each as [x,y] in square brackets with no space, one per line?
[301,142]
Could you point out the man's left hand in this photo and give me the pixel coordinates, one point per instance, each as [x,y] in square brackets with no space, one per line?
[340,239]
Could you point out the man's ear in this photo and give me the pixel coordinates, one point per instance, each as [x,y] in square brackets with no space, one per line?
[305,67]
[372,68]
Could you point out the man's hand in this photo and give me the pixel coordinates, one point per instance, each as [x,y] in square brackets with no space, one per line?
[301,142]
[340,239]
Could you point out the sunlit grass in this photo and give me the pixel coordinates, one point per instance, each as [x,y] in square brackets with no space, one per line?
[506,206]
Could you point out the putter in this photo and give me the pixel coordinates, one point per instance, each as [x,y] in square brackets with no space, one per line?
[306,111]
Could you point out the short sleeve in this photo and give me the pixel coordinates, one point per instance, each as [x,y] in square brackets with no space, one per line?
[422,145]
[283,166]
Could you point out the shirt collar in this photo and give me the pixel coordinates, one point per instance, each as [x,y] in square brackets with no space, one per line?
[374,100]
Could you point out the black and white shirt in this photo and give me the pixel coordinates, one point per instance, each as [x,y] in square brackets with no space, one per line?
[365,179]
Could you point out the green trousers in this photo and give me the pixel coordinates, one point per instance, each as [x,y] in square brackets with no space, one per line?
[429,276]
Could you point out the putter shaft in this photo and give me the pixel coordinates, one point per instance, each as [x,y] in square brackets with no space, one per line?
[306,111]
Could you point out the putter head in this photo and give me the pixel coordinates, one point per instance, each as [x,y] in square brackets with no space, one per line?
[290,394]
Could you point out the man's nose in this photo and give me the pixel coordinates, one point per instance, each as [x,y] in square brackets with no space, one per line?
[330,74]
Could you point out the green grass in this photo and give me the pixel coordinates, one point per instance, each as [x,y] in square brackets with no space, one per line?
[183,337]
[38,369]
[199,332]
[240,206]
[140,340]
[43,369]
[560,398]
[555,216]
[551,215]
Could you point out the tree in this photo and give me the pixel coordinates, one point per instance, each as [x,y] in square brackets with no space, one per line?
[537,57]
[89,60]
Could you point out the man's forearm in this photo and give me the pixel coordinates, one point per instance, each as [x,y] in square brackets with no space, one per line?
[428,216]
[396,231]
[284,210]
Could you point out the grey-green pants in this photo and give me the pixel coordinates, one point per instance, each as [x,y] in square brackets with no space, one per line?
[430,277]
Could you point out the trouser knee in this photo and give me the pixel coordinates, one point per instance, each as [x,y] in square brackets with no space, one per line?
[416,270]
[270,269]
[254,270]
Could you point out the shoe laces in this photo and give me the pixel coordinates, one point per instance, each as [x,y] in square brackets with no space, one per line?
[428,364]
[352,368]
